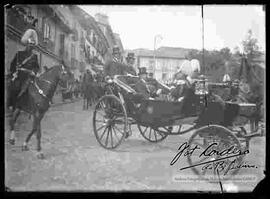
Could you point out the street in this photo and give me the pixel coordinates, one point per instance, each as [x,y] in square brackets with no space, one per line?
[74,161]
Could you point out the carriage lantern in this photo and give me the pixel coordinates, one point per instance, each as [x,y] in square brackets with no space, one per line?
[201,87]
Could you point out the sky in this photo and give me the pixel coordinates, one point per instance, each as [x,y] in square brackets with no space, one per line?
[181,26]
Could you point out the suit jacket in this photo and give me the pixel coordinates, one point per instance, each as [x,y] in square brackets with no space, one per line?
[112,68]
[142,88]
[131,70]
[31,64]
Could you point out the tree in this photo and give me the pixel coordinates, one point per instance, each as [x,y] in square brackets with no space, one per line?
[252,72]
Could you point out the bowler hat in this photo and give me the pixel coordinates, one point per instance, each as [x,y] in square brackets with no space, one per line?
[142,71]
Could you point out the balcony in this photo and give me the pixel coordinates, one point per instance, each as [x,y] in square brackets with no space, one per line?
[17,21]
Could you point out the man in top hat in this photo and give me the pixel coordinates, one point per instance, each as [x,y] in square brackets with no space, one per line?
[130,64]
[115,65]
[24,65]
[141,86]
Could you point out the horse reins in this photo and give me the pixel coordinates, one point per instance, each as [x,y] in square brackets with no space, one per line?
[40,91]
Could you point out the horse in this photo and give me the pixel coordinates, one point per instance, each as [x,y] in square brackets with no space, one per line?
[35,101]
[89,90]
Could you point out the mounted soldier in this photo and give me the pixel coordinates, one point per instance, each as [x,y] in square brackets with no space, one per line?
[115,65]
[130,59]
[24,66]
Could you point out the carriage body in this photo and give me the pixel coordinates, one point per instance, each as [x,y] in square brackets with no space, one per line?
[121,104]
[200,107]
[209,120]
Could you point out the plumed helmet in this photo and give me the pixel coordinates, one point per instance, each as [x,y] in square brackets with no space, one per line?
[30,37]
[190,67]
[195,65]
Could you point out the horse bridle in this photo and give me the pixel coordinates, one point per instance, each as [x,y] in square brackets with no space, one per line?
[63,71]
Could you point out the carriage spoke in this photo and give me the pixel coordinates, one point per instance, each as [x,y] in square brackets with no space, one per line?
[179,128]
[101,127]
[107,138]
[111,137]
[150,133]
[155,133]
[145,130]
[118,129]
[101,121]
[100,114]
[103,132]
[115,133]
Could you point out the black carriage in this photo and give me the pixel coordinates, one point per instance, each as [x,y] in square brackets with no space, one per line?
[211,120]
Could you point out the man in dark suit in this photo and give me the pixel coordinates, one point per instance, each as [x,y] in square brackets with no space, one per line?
[141,86]
[24,66]
[130,64]
[115,66]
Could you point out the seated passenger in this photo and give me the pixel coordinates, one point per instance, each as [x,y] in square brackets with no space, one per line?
[141,85]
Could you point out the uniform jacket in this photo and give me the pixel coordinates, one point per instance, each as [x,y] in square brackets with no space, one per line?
[31,64]
[141,87]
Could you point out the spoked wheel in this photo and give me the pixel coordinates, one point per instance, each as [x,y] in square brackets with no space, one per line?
[110,122]
[150,134]
[217,155]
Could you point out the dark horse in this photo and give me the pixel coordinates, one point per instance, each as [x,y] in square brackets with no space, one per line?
[36,102]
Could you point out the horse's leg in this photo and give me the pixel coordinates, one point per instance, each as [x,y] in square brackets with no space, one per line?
[34,129]
[40,155]
[12,122]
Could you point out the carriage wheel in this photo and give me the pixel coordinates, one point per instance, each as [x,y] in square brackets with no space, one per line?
[151,135]
[214,170]
[110,122]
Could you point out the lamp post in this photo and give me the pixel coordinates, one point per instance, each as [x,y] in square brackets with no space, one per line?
[155,41]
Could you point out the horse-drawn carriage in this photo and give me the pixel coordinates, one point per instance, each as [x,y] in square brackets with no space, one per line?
[211,121]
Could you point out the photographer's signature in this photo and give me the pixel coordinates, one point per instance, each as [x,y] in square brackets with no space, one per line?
[223,163]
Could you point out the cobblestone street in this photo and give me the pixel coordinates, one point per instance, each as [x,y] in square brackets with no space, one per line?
[75,161]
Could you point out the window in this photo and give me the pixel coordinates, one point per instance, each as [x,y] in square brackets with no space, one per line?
[47,31]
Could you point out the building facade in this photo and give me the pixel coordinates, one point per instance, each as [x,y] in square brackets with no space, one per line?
[163,63]
[112,38]
[65,32]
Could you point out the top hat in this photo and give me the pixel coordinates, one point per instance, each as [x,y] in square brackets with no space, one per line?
[130,56]
[142,71]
